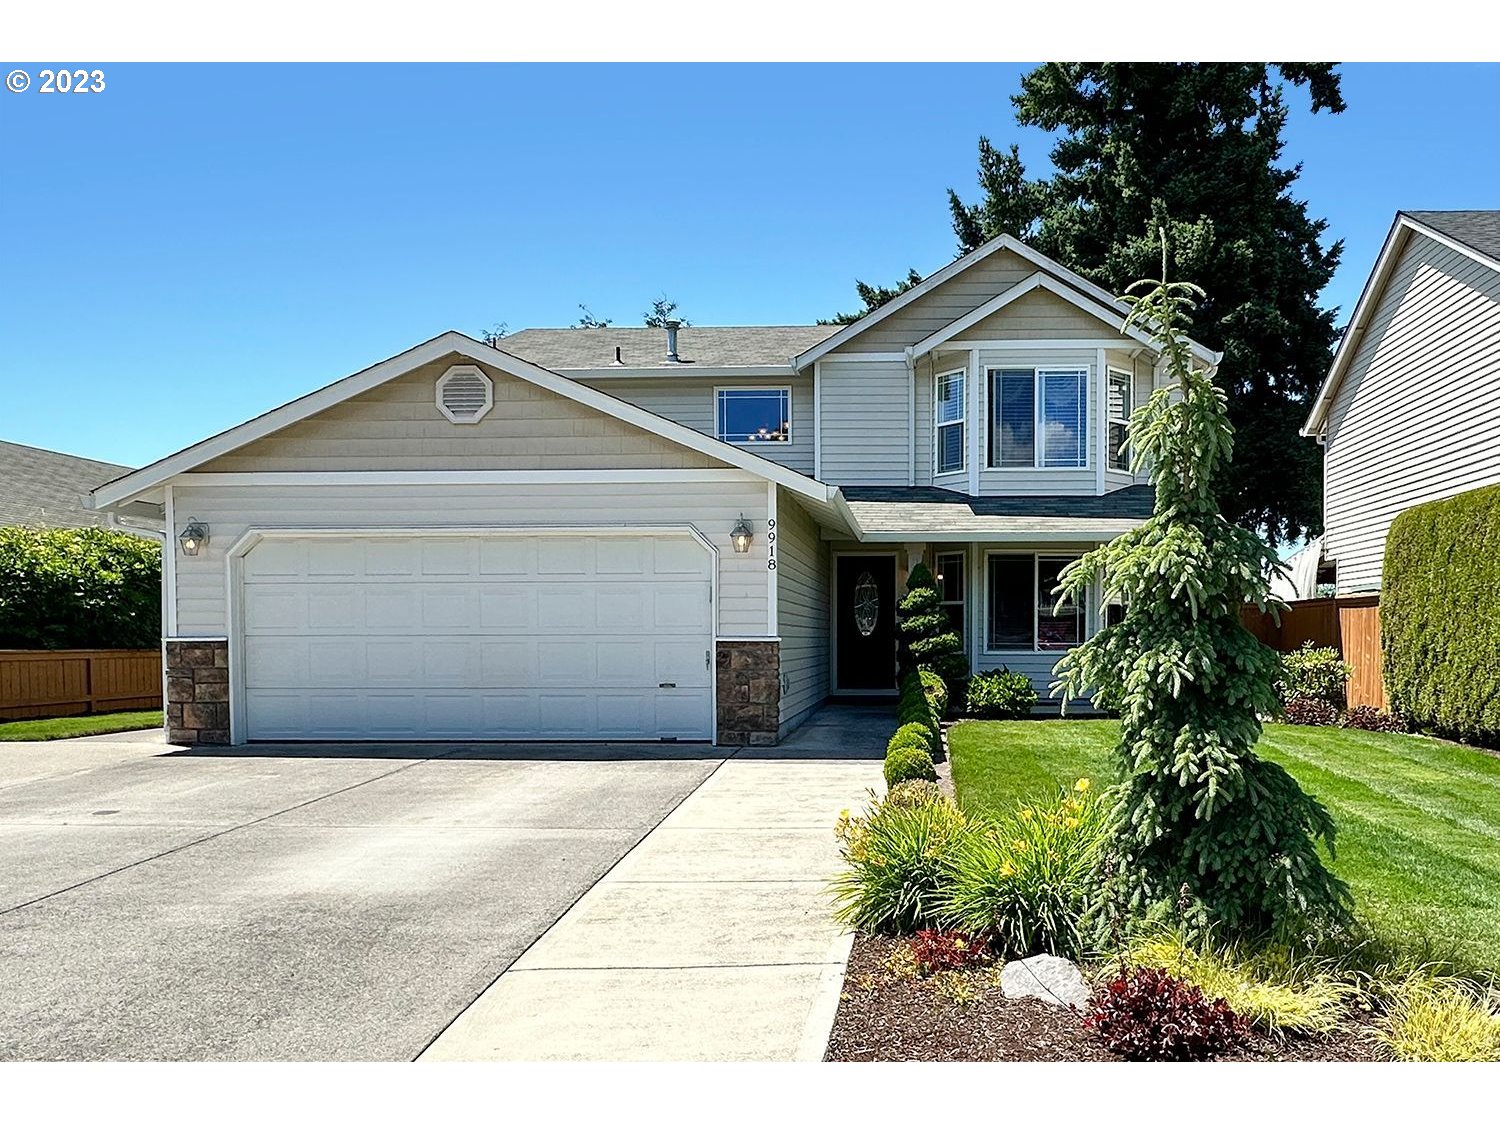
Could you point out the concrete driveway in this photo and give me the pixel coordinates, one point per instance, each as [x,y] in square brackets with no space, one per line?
[294,902]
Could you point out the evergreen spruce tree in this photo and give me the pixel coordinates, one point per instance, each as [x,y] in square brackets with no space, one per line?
[1202,826]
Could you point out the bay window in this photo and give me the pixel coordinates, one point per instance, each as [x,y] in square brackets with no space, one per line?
[949,416]
[1021,610]
[1039,418]
[1012,419]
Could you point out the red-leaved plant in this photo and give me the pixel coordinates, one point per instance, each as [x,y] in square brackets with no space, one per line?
[1306,712]
[1372,718]
[1148,1015]
[937,951]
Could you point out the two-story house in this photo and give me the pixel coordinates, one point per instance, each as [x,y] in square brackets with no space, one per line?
[1410,409]
[637,533]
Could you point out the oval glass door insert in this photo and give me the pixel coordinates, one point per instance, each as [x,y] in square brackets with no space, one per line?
[866,604]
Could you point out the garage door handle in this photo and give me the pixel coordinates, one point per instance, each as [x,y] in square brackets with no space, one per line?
[666,685]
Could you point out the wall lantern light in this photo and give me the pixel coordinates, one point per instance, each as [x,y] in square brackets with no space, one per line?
[741,536]
[193,536]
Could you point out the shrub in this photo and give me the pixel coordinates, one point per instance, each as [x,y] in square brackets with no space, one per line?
[1314,673]
[1440,615]
[1028,880]
[1372,718]
[914,791]
[1279,997]
[1440,1020]
[935,689]
[927,638]
[1310,713]
[1149,1015]
[908,763]
[917,733]
[939,951]
[897,861]
[1001,694]
[78,588]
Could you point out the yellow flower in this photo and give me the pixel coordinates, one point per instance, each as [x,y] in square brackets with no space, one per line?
[1006,870]
[1081,785]
[1027,814]
[1071,822]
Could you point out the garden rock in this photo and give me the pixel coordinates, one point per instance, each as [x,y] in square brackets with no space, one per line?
[1052,980]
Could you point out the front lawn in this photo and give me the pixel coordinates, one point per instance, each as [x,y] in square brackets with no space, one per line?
[75,726]
[1418,819]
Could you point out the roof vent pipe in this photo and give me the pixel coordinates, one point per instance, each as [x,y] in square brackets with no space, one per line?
[619,360]
[672,326]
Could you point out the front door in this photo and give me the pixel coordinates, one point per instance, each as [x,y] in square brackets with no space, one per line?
[865,623]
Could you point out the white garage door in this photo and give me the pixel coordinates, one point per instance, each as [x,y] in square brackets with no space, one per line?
[477,637]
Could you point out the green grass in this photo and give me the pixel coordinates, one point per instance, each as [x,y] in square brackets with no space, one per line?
[1418,819]
[44,730]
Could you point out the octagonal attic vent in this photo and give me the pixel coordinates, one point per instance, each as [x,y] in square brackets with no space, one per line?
[465,394]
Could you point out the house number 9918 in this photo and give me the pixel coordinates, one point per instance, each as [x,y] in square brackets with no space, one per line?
[770,544]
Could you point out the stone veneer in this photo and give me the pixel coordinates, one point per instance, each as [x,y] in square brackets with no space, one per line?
[748,685]
[197,691]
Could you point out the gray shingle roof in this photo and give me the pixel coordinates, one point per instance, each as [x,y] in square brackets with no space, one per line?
[918,510]
[575,349]
[1477,229]
[40,488]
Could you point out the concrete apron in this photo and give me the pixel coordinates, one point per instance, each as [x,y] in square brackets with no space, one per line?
[712,940]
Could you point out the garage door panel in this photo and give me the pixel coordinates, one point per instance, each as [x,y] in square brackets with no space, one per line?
[479,637]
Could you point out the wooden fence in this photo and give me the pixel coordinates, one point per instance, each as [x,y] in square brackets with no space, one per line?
[38,684]
[1350,624]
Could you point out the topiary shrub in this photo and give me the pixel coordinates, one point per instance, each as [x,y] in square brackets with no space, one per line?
[1372,718]
[935,689]
[1310,713]
[907,762]
[1148,1015]
[85,587]
[1000,694]
[915,734]
[1314,673]
[1440,615]
[927,637]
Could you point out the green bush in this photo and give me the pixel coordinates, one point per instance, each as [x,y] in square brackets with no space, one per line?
[897,860]
[78,588]
[1029,880]
[1001,694]
[1314,673]
[927,638]
[908,762]
[935,689]
[915,734]
[1440,615]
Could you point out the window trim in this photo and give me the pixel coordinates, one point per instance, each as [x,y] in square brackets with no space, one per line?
[1036,612]
[1110,374]
[718,417]
[963,600]
[962,420]
[1038,431]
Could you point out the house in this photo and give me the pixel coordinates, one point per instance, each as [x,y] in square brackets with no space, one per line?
[638,533]
[40,488]
[1410,410]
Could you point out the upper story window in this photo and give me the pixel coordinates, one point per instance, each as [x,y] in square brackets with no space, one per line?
[751,415]
[1039,418]
[1119,418]
[949,418]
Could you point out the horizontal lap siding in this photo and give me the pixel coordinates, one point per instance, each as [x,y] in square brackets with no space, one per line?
[802,604]
[1039,315]
[693,403]
[1417,416]
[712,509]
[866,422]
[397,426]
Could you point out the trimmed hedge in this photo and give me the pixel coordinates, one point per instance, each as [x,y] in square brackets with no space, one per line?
[84,587]
[1440,615]
[908,763]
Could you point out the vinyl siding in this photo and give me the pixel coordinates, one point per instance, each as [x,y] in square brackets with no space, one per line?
[1417,416]
[398,426]
[693,403]
[803,584]
[1040,315]
[712,508]
[866,423]
[943,305]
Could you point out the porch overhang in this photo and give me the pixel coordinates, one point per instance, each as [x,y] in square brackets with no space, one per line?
[936,515]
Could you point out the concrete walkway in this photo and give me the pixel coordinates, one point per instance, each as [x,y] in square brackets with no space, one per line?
[712,939]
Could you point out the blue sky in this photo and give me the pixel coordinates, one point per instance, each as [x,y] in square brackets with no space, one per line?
[198,244]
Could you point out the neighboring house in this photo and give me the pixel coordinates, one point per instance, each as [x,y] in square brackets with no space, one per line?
[40,488]
[1410,410]
[636,533]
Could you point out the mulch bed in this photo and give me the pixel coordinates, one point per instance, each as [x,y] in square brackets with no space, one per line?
[883,1017]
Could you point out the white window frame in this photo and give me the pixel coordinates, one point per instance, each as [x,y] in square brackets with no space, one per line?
[1128,378]
[961,421]
[1036,611]
[719,418]
[1038,428]
[962,601]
